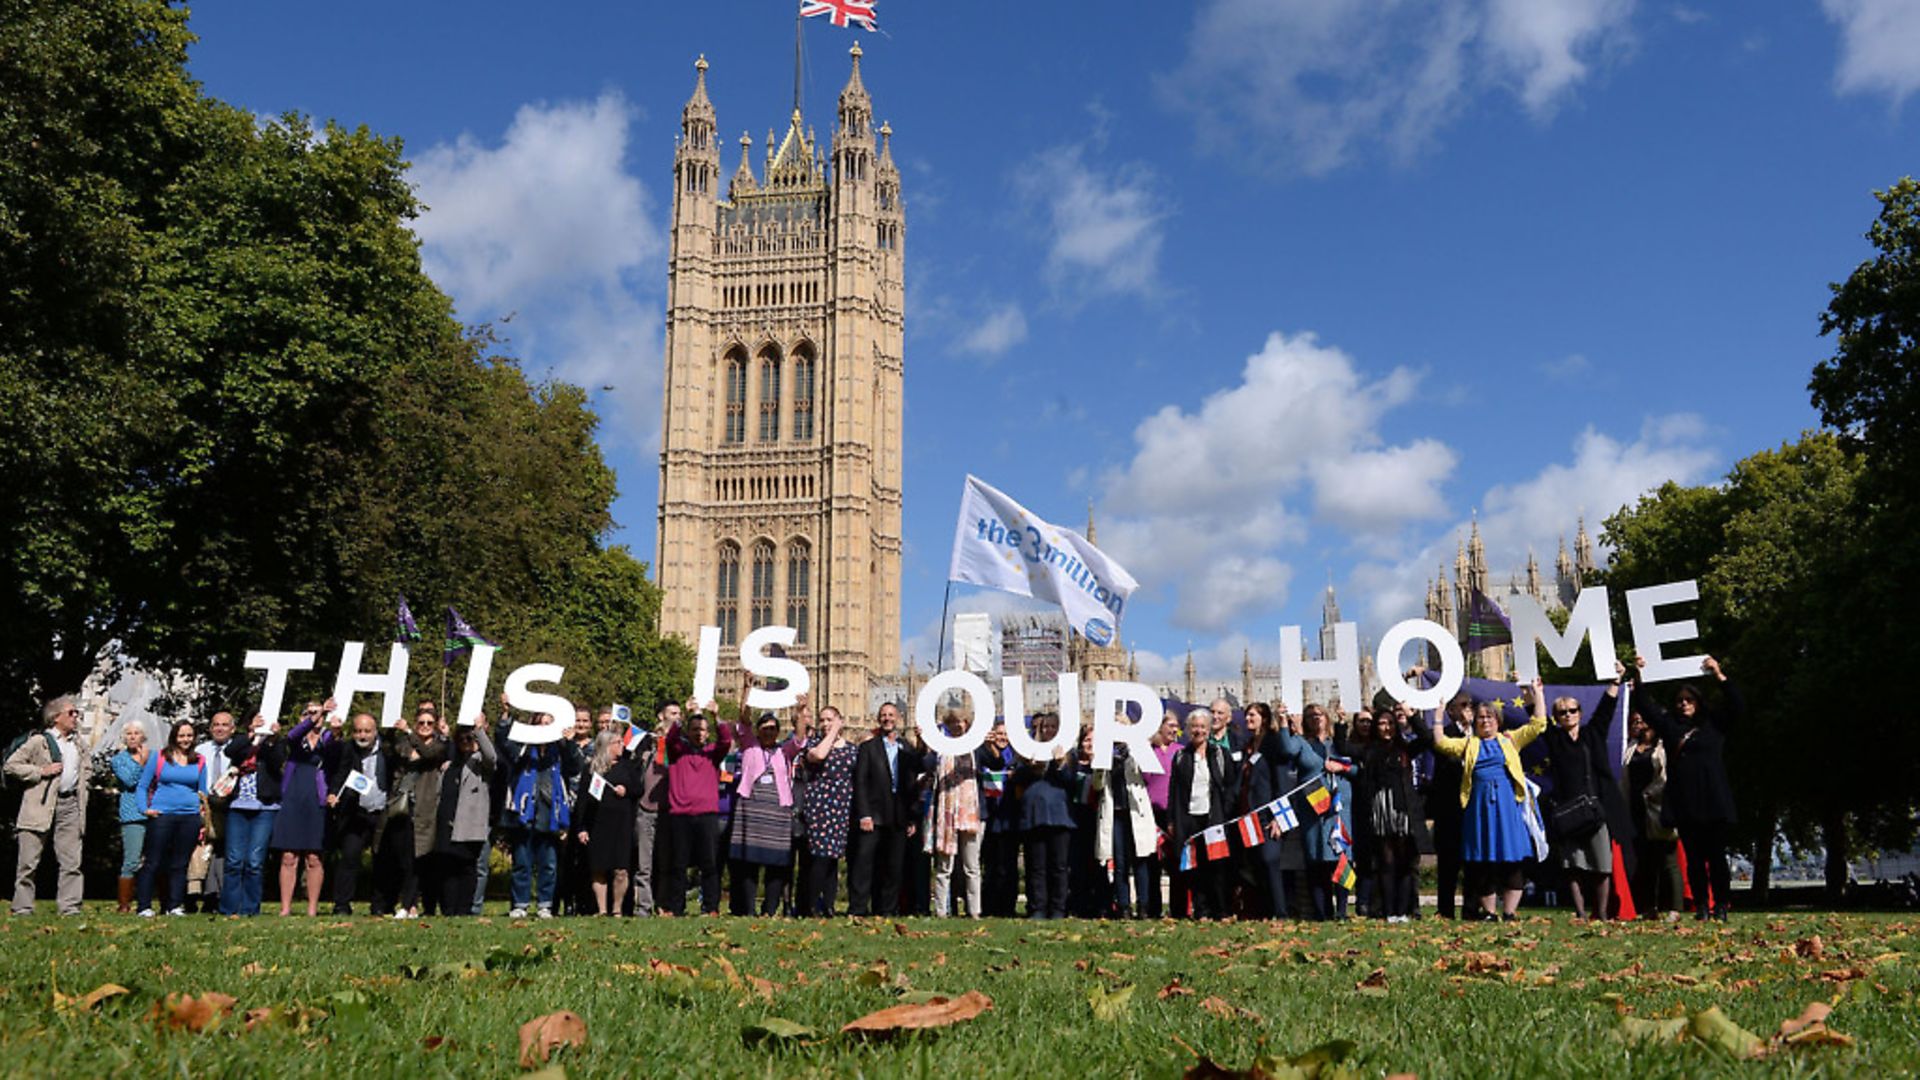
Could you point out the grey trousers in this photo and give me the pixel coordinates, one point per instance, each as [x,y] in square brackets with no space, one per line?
[645,822]
[217,862]
[67,822]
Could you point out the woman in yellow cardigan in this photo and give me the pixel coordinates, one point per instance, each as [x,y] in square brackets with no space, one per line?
[1493,830]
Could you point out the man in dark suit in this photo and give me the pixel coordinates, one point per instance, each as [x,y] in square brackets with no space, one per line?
[1443,806]
[886,773]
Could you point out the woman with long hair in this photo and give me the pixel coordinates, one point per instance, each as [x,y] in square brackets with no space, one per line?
[1322,836]
[1699,800]
[603,817]
[1392,815]
[1656,864]
[300,829]
[169,794]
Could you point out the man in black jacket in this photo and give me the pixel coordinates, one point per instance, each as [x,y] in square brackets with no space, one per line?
[1443,806]
[359,777]
[886,773]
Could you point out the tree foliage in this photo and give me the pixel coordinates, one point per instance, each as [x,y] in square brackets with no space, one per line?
[240,414]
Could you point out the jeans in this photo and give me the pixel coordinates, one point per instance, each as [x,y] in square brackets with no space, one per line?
[1133,877]
[534,851]
[248,832]
[133,845]
[170,842]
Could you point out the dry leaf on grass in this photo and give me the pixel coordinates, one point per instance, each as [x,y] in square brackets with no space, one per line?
[1221,1008]
[184,1012]
[542,1035]
[1810,1029]
[1374,984]
[1810,948]
[1109,1006]
[72,1003]
[938,1012]
[1175,989]
[727,969]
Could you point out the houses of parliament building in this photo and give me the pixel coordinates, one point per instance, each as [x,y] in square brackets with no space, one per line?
[780,455]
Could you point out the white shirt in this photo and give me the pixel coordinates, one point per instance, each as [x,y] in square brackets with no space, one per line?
[69,745]
[1200,800]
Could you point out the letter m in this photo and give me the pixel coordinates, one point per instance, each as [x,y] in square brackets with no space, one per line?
[1587,618]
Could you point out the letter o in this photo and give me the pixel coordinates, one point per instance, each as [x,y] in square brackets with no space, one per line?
[926,709]
[1453,663]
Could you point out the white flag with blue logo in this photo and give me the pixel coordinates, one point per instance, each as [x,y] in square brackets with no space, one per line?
[1000,545]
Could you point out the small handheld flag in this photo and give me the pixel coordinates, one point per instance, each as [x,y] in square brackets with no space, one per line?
[1188,853]
[622,714]
[359,783]
[597,786]
[1216,838]
[993,782]
[1250,834]
[460,637]
[635,734]
[405,630]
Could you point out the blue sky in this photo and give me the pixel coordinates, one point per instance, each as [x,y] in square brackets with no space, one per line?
[1290,289]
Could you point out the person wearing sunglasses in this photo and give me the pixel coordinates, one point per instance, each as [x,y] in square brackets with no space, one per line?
[53,805]
[1587,815]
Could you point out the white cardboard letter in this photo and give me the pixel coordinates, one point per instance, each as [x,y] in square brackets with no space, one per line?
[1344,668]
[520,697]
[473,695]
[276,664]
[1649,633]
[753,657]
[706,665]
[1108,728]
[1587,619]
[926,712]
[392,686]
[1453,663]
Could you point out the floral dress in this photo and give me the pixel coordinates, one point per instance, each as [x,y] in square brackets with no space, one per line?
[829,802]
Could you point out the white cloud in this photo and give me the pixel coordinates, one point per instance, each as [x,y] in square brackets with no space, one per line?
[548,226]
[999,330]
[1212,497]
[1540,41]
[1602,475]
[1103,225]
[1327,81]
[1570,366]
[1879,46]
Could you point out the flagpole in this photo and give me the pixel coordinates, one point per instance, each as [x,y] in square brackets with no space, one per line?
[942,650]
[796,58]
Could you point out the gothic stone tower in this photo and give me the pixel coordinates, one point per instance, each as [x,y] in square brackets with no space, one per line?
[781,443]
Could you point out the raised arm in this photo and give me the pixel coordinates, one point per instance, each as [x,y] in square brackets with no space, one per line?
[489,758]
[1537,725]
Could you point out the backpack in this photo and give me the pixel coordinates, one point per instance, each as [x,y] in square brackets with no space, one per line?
[53,754]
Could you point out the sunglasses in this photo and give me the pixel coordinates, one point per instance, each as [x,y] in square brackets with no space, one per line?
[1574,711]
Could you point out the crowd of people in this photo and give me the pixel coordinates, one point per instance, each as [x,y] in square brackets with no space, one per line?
[1319,815]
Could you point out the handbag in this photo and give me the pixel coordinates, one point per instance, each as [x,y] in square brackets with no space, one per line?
[1576,816]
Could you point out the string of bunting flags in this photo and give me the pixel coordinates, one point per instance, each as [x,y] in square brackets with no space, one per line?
[1211,844]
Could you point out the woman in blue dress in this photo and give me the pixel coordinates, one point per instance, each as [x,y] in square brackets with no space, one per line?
[1494,835]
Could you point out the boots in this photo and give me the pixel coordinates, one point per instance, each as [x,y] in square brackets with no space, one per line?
[126,895]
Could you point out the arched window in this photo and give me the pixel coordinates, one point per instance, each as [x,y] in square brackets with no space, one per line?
[762,612]
[769,395]
[736,375]
[803,394]
[727,607]
[799,585]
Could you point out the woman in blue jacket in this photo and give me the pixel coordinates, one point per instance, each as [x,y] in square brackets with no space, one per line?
[169,793]
[1047,824]
[128,764]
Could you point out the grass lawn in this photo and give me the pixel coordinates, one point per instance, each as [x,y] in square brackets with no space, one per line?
[1543,997]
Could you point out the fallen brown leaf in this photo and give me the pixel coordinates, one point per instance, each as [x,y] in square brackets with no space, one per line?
[1375,980]
[1810,948]
[88,1001]
[542,1035]
[1175,989]
[1221,1008]
[184,1012]
[940,1012]
[726,968]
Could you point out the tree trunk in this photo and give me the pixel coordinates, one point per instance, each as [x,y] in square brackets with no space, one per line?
[1833,828]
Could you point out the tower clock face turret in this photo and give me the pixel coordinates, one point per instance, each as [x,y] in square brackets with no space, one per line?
[780,457]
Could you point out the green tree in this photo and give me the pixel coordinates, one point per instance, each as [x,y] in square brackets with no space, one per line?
[1777,559]
[240,414]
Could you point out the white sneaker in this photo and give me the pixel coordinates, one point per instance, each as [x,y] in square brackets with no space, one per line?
[546,913]
[146,913]
[177,911]
[517,913]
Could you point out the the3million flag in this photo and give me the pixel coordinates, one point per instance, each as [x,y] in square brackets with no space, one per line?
[1000,544]
[460,637]
[1487,625]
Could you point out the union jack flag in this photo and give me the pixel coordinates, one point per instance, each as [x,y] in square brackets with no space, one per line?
[843,12]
